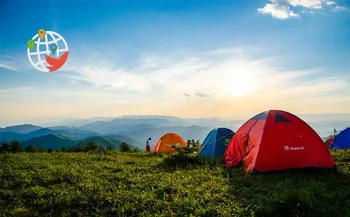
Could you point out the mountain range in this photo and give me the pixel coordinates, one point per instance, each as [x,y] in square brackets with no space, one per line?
[135,130]
[59,141]
[7,135]
[23,129]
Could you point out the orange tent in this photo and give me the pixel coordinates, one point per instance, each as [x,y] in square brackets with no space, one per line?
[166,141]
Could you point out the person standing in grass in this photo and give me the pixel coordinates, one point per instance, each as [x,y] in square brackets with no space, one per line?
[148,145]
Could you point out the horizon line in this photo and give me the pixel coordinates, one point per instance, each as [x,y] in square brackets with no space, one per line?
[56,121]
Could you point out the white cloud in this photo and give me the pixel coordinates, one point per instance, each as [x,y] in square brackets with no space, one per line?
[52,81]
[225,51]
[190,78]
[8,67]
[281,9]
[314,4]
[339,8]
[278,11]
[2,91]
[14,62]
[202,74]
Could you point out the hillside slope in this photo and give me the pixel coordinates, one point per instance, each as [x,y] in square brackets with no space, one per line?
[68,132]
[126,139]
[51,141]
[105,141]
[56,141]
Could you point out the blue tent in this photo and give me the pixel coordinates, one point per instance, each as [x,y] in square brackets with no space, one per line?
[214,145]
[342,140]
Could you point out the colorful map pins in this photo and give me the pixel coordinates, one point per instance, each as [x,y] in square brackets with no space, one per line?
[31,44]
[53,48]
[41,33]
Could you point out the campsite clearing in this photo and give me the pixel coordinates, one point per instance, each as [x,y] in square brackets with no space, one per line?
[144,184]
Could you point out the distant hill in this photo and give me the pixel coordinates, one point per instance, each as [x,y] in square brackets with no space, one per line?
[9,136]
[75,132]
[129,124]
[24,128]
[99,140]
[216,122]
[166,117]
[134,126]
[69,132]
[57,141]
[126,139]
[105,141]
[77,122]
[51,141]
[140,127]
[117,128]
[58,127]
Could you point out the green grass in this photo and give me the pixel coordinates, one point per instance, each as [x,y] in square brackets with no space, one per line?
[141,184]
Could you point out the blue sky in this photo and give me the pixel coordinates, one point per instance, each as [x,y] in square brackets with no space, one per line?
[182,58]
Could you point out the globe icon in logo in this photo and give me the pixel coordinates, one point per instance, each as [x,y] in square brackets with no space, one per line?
[47,51]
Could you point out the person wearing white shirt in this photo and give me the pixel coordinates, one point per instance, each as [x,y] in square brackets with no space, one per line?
[148,145]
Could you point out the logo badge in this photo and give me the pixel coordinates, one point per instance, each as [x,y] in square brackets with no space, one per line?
[47,51]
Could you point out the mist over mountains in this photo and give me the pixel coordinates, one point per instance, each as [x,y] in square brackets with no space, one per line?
[137,129]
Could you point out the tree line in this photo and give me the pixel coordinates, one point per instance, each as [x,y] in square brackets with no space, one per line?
[15,147]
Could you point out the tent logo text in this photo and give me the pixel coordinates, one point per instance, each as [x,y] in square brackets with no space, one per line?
[287,148]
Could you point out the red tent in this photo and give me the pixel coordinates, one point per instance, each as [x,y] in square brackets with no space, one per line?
[277,140]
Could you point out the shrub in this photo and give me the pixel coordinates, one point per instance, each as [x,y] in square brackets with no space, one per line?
[101,149]
[181,160]
[15,146]
[135,150]
[30,148]
[185,150]
[109,148]
[40,149]
[5,147]
[193,144]
[124,147]
[77,148]
[90,146]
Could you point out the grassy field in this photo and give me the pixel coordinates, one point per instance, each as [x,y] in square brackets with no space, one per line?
[140,184]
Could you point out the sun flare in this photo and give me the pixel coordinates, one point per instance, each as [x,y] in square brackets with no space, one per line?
[238,86]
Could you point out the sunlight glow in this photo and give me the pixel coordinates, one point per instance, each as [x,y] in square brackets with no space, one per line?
[237,85]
